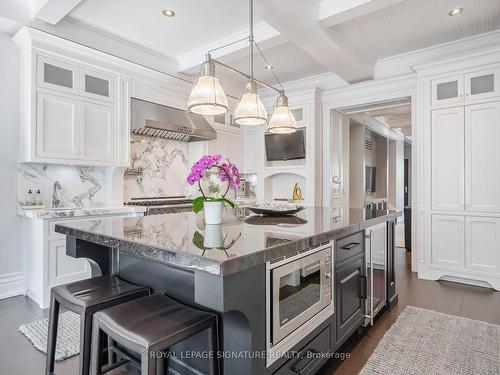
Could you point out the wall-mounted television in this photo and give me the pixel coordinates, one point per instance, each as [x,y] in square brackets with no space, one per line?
[285,146]
[370,175]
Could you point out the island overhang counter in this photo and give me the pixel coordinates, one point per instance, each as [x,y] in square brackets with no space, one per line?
[226,269]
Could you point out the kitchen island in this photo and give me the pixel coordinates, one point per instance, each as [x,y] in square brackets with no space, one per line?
[233,269]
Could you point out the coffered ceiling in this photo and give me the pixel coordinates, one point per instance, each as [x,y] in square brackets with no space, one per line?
[300,38]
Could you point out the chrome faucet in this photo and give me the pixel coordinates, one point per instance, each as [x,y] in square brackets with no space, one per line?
[56,201]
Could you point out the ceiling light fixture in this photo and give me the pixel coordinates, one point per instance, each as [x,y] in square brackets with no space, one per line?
[168,12]
[208,98]
[455,11]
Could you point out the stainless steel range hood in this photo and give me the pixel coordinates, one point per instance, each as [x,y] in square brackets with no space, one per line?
[157,120]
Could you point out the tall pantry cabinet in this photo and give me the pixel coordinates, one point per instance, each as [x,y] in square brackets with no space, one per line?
[460,208]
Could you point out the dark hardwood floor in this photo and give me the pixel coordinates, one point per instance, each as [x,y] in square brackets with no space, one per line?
[18,356]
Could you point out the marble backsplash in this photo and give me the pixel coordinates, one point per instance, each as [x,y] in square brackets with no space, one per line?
[79,186]
[159,167]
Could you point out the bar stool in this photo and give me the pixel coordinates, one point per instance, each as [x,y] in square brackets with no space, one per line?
[152,324]
[85,297]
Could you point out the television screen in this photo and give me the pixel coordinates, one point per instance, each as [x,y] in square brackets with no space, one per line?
[370,179]
[285,146]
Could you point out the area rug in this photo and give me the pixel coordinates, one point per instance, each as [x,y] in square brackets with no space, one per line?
[68,335]
[423,342]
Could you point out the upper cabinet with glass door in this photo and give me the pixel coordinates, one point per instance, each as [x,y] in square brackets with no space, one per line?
[466,87]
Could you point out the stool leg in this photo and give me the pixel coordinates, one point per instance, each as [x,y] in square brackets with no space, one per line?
[111,355]
[96,357]
[213,346]
[85,342]
[160,366]
[148,363]
[52,336]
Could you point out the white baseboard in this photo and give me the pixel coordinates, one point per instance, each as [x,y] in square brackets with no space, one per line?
[12,284]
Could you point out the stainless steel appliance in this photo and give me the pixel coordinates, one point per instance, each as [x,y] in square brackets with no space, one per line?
[162,205]
[300,296]
[157,120]
[376,270]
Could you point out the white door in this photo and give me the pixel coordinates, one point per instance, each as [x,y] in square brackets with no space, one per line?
[447,160]
[448,239]
[98,132]
[447,91]
[482,157]
[482,84]
[56,126]
[483,244]
[62,268]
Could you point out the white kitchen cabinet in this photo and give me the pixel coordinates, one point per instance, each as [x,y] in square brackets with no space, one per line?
[98,85]
[98,131]
[482,157]
[448,241]
[447,159]
[482,84]
[58,126]
[483,244]
[447,90]
[228,144]
[55,74]
[62,268]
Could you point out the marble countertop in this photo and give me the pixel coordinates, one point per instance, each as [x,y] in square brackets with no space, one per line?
[56,213]
[241,242]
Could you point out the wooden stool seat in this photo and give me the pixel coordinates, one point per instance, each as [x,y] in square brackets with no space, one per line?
[151,324]
[85,297]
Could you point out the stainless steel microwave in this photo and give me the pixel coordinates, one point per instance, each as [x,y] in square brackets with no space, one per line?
[300,289]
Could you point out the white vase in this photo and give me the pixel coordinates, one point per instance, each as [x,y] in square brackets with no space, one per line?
[213,212]
[213,236]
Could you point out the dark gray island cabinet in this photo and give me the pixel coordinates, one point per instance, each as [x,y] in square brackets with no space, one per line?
[288,291]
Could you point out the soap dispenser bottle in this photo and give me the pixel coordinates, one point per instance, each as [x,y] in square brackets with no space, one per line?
[38,198]
[29,201]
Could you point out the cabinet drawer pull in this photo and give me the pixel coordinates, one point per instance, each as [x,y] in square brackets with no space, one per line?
[362,286]
[350,246]
[306,363]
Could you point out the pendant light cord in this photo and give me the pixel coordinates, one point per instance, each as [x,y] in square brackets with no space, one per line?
[267,63]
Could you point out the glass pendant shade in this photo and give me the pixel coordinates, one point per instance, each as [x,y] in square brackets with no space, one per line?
[250,110]
[282,120]
[207,96]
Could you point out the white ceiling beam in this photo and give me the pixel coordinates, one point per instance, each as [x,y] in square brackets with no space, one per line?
[52,11]
[333,12]
[265,35]
[298,21]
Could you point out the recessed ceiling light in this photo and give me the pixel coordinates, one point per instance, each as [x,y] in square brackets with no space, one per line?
[269,67]
[455,11]
[168,12]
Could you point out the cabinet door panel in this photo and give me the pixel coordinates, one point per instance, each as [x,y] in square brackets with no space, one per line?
[98,85]
[57,75]
[448,241]
[447,90]
[482,157]
[57,126]
[98,132]
[62,268]
[483,84]
[483,244]
[447,161]
[349,304]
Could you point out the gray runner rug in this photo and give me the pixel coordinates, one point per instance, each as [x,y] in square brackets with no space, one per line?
[68,335]
[423,342]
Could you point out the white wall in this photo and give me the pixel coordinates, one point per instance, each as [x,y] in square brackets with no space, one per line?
[11,255]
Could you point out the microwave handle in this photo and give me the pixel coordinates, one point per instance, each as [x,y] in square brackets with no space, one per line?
[305,364]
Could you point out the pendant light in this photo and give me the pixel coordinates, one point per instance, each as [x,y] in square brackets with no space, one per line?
[282,120]
[207,96]
[250,110]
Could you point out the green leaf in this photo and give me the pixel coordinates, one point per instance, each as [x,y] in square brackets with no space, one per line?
[198,204]
[198,240]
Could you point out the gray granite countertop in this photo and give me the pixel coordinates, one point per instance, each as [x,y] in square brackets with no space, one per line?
[241,242]
[58,213]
